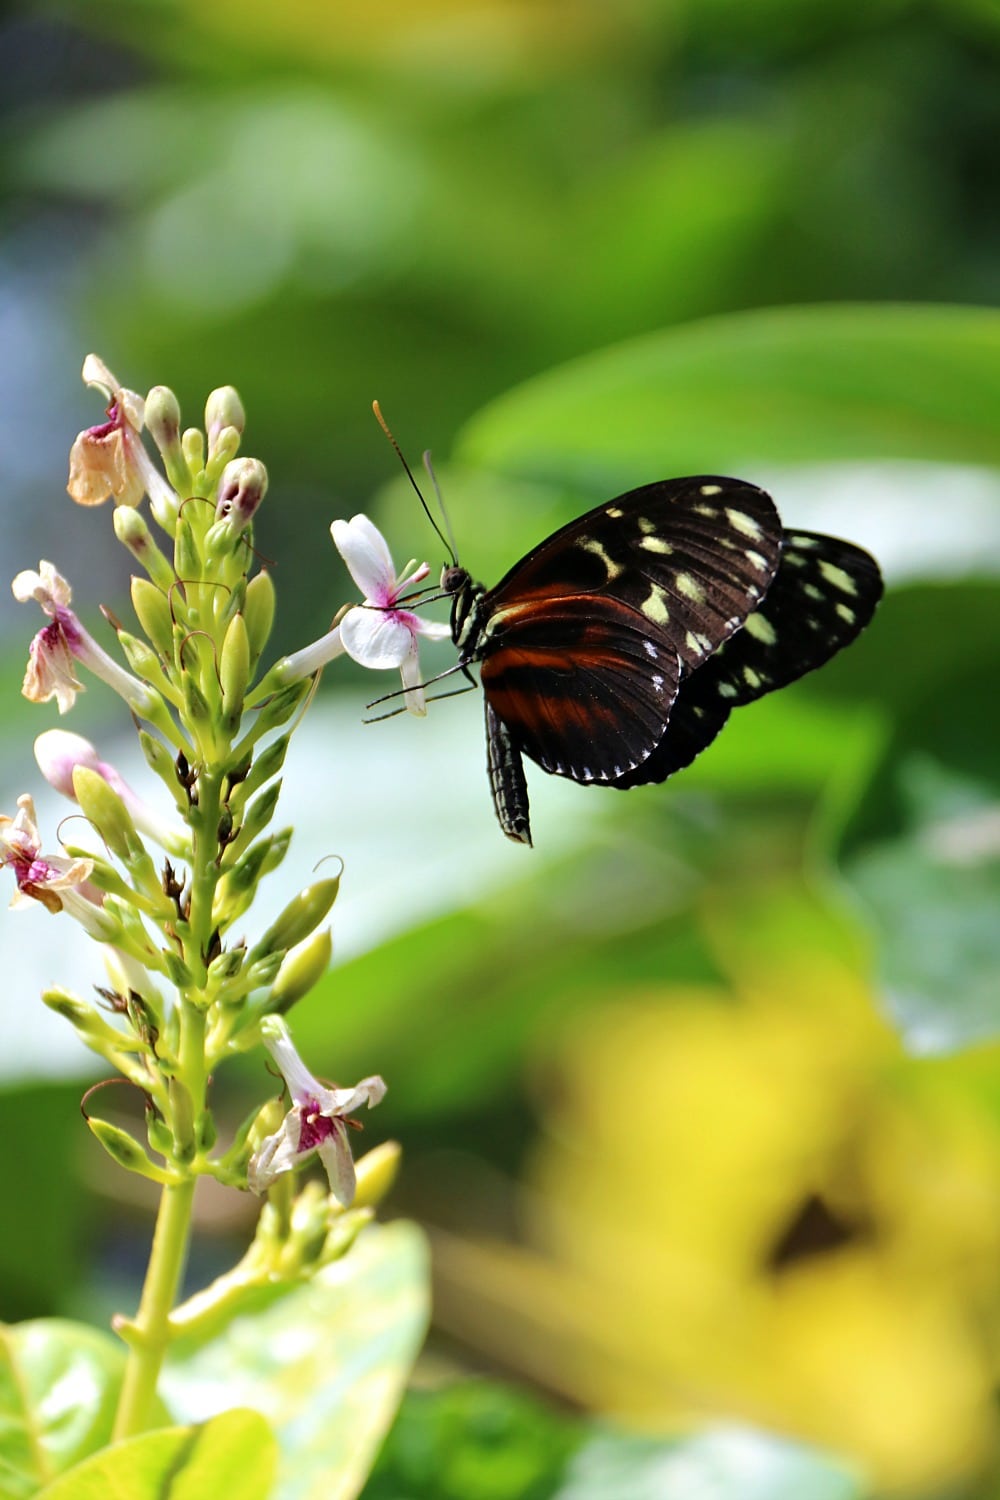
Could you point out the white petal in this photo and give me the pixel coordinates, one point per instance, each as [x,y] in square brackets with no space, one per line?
[335,1154]
[277,1039]
[278,1153]
[366,553]
[95,372]
[433,630]
[409,671]
[375,638]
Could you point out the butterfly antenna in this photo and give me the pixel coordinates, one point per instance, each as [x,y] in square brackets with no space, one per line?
[441,506]
[409,474]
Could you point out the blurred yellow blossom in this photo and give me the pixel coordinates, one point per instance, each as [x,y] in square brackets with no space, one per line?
[749,1202]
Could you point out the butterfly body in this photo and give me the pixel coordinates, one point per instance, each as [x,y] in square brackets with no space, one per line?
[613,652]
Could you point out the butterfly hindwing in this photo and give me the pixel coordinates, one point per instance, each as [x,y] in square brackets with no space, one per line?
[584,686]
[822,596]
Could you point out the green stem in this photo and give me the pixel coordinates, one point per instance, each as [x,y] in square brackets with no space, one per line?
[149,1334]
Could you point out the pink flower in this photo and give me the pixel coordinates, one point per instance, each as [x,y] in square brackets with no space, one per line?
[103,459]
[315,1125]
[59,883]
[381,632]
[57,647]
[109,459]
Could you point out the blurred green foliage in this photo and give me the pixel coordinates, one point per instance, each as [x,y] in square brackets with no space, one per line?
[438,202]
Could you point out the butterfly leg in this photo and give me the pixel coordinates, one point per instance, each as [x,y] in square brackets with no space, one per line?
[507,779]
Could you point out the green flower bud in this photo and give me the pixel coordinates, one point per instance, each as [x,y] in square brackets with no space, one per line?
[259,613]
[223,409]
[197,710]
[263,971]
[132,531]
[187,559]
[146,664]
[246,872]
[301,968]
[277,851]
[226,966]
[234,667]
[205,1133]
[127,1152]
[161,761]
[267,764]
[91,1026]
[176,969]
[280,706]
[108,813]
[262,1123]
[227,445]
[301,916]
[163,419]
[159,1135]
[257,819]
[193,447]
[376,1173]
[343,1232]
[152,610]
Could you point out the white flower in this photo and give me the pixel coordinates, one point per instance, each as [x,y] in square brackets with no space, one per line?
[381,632]
[315,1125]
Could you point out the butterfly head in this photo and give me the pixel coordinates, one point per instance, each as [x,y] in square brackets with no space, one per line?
[465,596]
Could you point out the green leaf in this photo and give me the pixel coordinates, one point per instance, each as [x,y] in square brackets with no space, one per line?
[920,846]
[234,1454]
[38,1270]
[796,385]
[725,1464]
[59,1385]
[326,1364]
[474,1440]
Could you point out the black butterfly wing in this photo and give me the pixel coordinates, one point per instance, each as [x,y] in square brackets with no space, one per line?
[584,686]
[822,596]
[690,557]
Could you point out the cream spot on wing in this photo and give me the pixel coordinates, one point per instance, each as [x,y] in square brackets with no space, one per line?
[706,510]
[840,580]
[726,690]
[655,607]
[615,512]
[812,592]
[711,489]
[689,587]
[846,613]
[751,678]
[761,629]
[656,544]
[590,544]
[756,561]
[646,526]
[741,522]
[807,543]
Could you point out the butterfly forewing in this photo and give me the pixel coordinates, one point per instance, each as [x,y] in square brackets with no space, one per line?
[823,595]
[690,556]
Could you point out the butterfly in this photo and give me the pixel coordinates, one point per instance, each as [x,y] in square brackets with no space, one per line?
[614,651]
